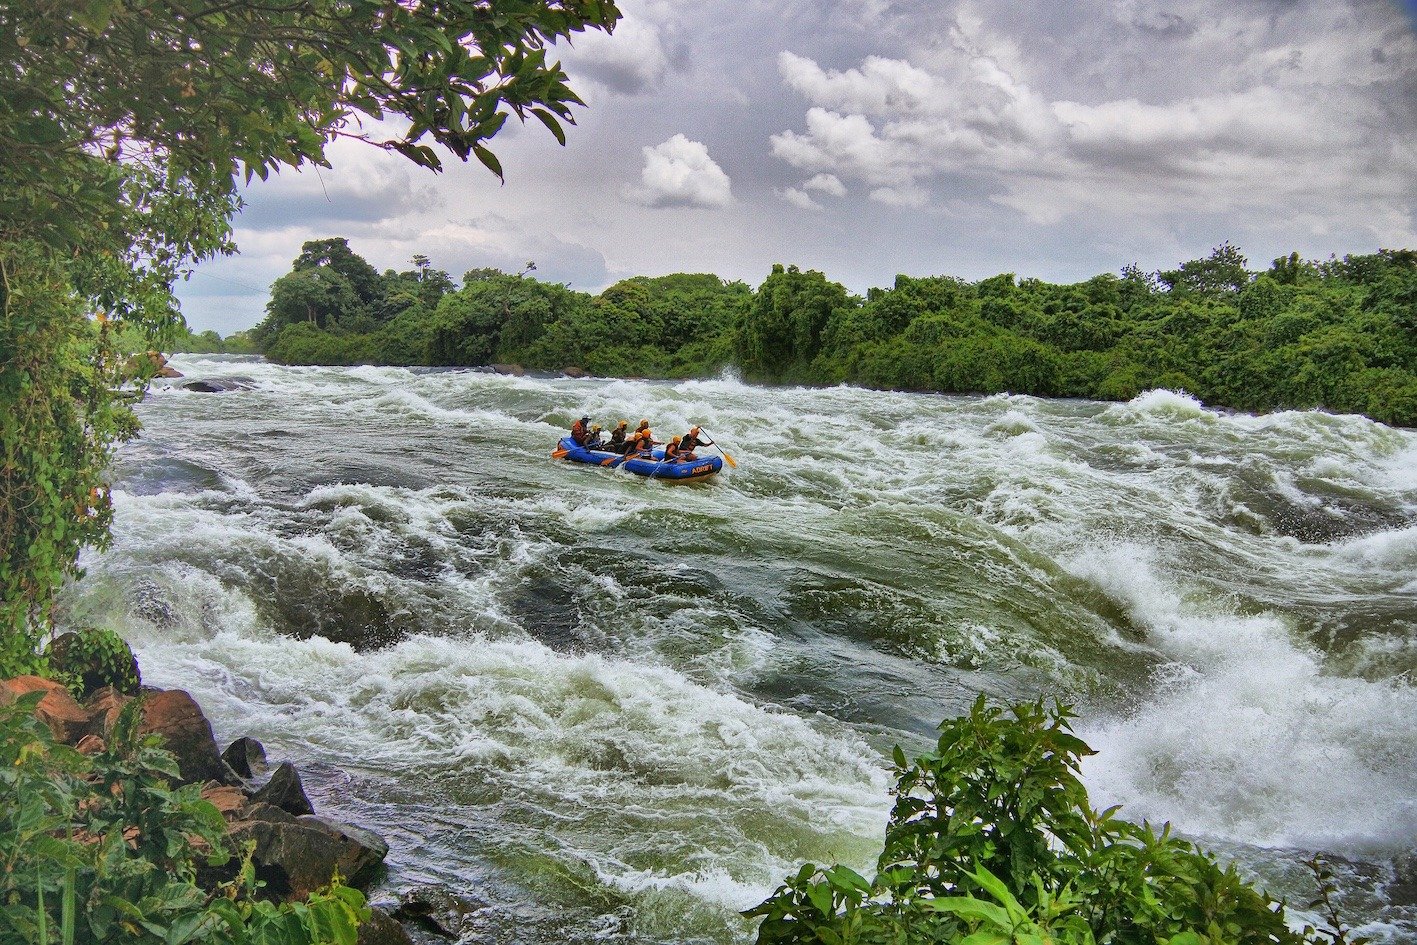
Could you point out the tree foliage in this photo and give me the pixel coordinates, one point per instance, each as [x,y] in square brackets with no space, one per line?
[125,127]
[1340,334]
[992,841]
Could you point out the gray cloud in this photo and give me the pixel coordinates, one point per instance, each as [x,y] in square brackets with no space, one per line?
[871,137]
[632,61]
[1266,133]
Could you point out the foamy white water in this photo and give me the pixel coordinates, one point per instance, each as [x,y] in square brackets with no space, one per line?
[614,707]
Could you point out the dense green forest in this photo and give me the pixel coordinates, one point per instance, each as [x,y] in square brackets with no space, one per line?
[1339,334]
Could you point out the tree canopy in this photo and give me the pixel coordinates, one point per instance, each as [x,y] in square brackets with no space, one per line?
[125,129]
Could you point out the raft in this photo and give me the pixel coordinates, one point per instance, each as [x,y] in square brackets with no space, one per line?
[700,468]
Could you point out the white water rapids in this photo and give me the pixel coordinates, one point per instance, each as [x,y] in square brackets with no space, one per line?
[606,707]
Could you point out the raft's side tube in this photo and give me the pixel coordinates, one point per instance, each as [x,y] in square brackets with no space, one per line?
[652,465]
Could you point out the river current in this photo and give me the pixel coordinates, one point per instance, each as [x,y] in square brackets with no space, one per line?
[606,708]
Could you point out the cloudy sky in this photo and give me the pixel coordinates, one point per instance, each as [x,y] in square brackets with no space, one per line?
[867,138]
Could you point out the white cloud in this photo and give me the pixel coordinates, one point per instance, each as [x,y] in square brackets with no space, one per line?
[881,85]
[799,198]
[680,173]
[828,184]
[907,196]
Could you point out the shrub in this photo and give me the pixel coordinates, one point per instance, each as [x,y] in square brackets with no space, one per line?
[89,659]
[98,849]
[992,840]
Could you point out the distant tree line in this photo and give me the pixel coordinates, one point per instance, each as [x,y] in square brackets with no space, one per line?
[1339,334]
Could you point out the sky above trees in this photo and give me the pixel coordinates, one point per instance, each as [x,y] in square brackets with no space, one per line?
[867,138]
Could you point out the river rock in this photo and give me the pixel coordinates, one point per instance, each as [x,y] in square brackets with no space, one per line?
[65,718]
[67,654]
[228,800]
[296,858]
[575,372]
[175,715]
[219,385]
[103,707]
[91,745]
[382,929]
[246,756]
[439,910]
[284,790]
[515,370]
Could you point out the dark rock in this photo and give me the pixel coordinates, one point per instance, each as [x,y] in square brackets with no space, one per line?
[219,385]
[515,370]
[65,718]
[295,859]
[175,715]
[76,654]
[575,372]
[382,929]
[267,812]
[246,756]
[285,791]
[438,910]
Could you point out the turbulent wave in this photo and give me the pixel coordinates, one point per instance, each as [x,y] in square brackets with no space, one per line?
[643,704]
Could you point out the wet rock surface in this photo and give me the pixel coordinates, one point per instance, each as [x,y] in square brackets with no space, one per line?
[285,790]
[218,385]
[175,715]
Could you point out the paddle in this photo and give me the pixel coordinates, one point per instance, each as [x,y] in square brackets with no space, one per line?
[730,459]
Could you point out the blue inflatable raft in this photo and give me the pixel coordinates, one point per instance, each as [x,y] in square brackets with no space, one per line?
[700,468]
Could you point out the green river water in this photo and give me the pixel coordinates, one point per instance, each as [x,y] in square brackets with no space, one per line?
[607,708]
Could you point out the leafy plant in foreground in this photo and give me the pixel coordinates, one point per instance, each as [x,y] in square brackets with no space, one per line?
[100,849]
[992,840]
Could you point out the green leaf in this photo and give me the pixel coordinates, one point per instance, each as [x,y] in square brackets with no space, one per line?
[489,160]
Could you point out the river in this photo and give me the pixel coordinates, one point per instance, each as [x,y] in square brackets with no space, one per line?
[611,708]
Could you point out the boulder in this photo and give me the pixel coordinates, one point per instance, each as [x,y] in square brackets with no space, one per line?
[515,370]
[382,929]
[90,745]
[575,372]
[103,707]
[285,791]
[295,858]
[175,715]
[439,910]
[274,815]
[58,710]
[98,659]
[246,756]
[219,385]
[229,800]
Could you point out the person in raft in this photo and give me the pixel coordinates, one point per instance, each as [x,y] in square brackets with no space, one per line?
[646,435]
[594,443]
[674,452]
[580,431]
[692,441]
[617,438]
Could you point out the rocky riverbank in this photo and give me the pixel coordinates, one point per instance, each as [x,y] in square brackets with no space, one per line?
[295,850]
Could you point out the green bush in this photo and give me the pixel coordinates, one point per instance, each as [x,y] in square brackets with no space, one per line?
[100,849]
[992,840]
[89,658]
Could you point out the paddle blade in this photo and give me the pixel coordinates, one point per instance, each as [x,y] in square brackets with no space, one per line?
[559,453]
[730,460]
